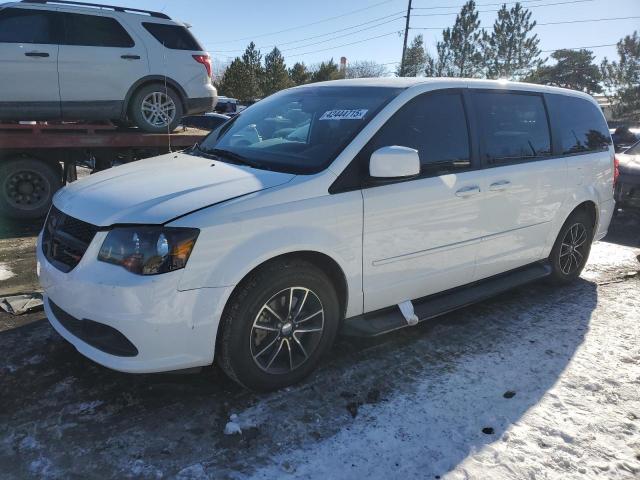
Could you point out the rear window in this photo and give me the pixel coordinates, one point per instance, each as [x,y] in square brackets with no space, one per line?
[174,37]
[19,25]
[580,123]
[512,126]
[95,31]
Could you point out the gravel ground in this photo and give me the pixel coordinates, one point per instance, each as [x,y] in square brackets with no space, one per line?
[541,382]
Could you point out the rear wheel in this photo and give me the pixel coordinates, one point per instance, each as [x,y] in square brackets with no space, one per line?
[27,186]
[156,109]
[571,249]
[278,325]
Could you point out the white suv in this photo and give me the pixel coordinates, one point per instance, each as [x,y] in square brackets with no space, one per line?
[362,205]
[81,61]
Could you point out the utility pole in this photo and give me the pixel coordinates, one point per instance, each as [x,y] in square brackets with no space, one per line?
[406,35]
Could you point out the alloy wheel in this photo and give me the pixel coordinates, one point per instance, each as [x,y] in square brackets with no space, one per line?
[573,249]
[287,330]
[158,109]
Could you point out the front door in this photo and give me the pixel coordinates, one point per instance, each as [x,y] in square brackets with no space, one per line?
[99,62]
[420,236]
[29,64]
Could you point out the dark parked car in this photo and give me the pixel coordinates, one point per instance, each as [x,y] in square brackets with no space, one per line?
[627,192]
[623,137]
[206,121]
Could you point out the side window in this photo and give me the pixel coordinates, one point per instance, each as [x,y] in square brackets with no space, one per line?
[512,127]
[20,25]
[174,37]
[95,31]
[580,124]
[433,124]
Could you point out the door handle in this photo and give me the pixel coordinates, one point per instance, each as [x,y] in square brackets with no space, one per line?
[36,54]
[469,191]
[130,57]
[499,186]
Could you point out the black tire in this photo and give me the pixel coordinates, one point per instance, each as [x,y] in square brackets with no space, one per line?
[27,186]
[137,114]
[245,317]
[571,249]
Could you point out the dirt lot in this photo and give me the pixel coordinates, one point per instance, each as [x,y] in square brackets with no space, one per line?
[538,383]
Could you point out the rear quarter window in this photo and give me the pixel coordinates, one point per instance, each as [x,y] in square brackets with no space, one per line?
[579,123]
[174,37]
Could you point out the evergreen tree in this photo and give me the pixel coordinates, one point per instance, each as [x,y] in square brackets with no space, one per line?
[275,76]
[414,59]
[465,43]
[253,72]
[326,71]
[299,74]
[573,69]
[510,51]
[442,64]
[232,82]
[622,78]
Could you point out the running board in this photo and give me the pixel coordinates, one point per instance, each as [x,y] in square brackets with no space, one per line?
[389,319]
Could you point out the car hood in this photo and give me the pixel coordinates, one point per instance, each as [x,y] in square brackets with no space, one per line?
[156,190]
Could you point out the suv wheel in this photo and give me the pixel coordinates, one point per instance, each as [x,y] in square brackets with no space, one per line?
[27,186]
[278,325]
[156,109]
[571,250]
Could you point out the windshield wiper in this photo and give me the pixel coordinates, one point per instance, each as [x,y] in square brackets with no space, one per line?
[234,157]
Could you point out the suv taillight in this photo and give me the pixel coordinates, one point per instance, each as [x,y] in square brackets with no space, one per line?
[204,60]
[616,171]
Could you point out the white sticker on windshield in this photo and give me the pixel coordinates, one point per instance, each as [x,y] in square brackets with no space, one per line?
[344,114]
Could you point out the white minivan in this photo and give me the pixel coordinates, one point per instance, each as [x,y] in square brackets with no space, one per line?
[360,206]
[68,60]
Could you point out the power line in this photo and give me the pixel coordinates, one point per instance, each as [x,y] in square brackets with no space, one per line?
[341,36]
[581,48]
[546,23]
[477,5]
[395,32]
[324,34]
[328,19]
[491,11]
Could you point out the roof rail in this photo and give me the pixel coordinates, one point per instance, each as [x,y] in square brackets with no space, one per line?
[98,5]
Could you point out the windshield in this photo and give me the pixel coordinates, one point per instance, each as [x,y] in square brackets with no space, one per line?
[300,130]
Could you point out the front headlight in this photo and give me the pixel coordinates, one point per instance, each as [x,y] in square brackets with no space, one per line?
[148,250]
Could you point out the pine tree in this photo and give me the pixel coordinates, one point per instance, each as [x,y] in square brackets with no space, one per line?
[326,71]
[622,78]
[414,59]
[442,64]
[465,43]
[253,72]
[299,74]
[232,82]
[510,51]
[275,76]
[573,69]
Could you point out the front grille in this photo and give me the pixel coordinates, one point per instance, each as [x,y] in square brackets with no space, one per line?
[65,239]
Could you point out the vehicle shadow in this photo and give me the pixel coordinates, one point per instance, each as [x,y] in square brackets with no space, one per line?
[19,229]
[451,373]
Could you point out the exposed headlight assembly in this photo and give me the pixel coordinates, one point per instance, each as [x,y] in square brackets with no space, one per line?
[148,250]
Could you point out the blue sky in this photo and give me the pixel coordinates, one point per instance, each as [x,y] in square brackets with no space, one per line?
[226,27]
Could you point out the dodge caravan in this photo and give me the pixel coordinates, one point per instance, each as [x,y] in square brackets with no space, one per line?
[361,206]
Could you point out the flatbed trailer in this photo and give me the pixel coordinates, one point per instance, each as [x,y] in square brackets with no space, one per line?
[38,159]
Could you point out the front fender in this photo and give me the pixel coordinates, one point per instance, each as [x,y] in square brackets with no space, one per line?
[239,242]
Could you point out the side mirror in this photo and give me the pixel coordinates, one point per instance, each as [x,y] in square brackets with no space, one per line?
[394,162]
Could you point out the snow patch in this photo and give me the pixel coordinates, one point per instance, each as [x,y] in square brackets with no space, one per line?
[5,272]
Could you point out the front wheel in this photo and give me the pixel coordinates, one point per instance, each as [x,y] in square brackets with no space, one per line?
[278,325]
[571,249]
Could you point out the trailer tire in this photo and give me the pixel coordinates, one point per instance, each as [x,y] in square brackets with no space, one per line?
[150,103]
[27,186]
